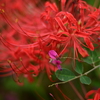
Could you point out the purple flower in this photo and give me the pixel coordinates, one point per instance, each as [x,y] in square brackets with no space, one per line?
[54,59]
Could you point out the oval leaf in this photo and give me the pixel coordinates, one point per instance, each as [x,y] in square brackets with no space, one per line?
[85,80]
[64,74]
[92,58]
[79,67]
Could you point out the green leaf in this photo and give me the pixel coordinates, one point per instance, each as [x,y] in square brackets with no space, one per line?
[85,80]
[79,67]
[92,58]
[64,74]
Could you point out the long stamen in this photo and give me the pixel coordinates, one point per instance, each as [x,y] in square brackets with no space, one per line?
[65,97]
[16,79]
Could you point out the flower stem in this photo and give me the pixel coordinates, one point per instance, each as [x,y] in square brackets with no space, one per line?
[76,91]
[96,3]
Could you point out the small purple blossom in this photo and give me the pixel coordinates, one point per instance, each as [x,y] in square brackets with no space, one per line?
[54,59]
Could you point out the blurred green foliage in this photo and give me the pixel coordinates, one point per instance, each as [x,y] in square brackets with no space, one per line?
[91,2]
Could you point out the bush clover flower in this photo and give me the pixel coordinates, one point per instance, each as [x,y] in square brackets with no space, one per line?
[55,59]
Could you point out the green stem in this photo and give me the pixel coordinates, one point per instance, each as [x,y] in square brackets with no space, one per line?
[96,3]
[75,77]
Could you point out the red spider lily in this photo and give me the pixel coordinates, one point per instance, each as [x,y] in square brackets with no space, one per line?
[68,28]
[40,30]
[96,94]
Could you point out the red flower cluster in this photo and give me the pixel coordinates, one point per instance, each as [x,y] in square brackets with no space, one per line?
[26,41]
[96,94]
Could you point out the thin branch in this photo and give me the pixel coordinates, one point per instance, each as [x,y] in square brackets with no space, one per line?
[76,76]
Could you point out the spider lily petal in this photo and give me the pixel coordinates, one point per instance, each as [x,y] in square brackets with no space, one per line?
[96,96]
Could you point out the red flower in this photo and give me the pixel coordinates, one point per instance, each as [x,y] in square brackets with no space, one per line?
[72,25]
[96,94]
[70,28]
